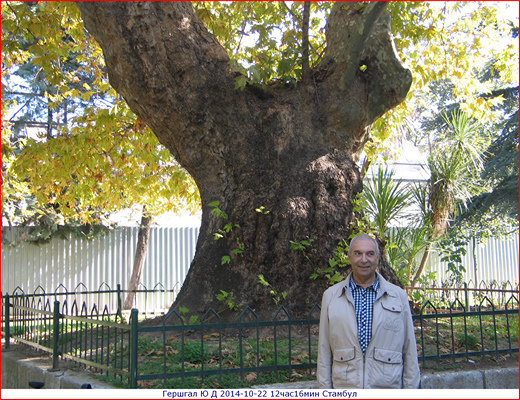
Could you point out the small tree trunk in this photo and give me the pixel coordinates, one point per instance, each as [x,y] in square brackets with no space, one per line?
[424,260]
[140,256]
[409,266]
[475,260]
[49,122]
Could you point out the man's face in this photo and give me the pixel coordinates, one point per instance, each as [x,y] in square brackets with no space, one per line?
[363,257]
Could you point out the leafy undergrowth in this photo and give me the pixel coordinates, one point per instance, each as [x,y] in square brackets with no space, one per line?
[472,334]
[222,354]
[214,353]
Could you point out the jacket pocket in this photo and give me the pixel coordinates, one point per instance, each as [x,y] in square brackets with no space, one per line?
[388,356]
[344,355]
[392,306]
[342,366]
[392,317]
[388,369]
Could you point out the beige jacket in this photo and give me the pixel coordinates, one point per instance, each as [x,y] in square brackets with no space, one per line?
[391,357]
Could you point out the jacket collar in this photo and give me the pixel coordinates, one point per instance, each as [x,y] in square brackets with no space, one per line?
[385,287]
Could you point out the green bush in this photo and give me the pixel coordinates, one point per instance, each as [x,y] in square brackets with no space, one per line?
[470,340]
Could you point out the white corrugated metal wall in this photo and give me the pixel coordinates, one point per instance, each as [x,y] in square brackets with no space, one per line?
[75,264]
[496,261]
[108,260]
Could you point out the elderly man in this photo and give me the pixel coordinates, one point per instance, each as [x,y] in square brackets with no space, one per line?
[366,331]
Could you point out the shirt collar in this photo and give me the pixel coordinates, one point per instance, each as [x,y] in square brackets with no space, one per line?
[374,286]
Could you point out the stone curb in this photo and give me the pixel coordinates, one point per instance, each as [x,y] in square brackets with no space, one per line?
[18,370]
[506,378]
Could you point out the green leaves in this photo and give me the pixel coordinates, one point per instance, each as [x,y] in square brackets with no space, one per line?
[269,40]
[225,260]
[386,198]
[455,164]
[107,164]
[274,294]
[448,42]
[216,211]
[262,210]
[104,158]
[302,245]
[241,82]
[230,300]
[262,280]
[49,35]
[225,231]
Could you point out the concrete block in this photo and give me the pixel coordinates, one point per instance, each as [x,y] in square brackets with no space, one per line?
[38,370]
[10,362]
[74,380]
[454,380]
[19,369]
[30,370]
[289,385]
[506,378]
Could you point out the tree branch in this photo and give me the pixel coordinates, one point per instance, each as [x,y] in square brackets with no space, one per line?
[165,63]
[289,9]
[358,39]
[505,92]
[359,32]
[305,41]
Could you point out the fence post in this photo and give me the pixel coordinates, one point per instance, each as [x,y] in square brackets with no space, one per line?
[466,296]
[55,335]
[7,320]
[119,305]
[133,348]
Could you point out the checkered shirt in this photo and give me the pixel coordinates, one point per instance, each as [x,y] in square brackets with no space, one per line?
[364,304]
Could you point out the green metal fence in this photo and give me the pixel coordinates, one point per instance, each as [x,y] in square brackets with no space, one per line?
[91,337]
[456,331]
[178,351]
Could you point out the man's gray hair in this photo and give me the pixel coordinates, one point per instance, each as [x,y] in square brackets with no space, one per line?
[365,237]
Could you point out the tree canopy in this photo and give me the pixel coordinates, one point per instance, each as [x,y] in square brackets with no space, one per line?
[76,163]
[265,42]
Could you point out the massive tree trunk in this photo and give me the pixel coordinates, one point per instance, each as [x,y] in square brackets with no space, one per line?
[290,150]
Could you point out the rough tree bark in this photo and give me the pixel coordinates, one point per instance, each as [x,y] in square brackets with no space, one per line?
[291,150]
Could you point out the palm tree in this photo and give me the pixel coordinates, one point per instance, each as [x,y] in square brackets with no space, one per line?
[408,242]
[386,198]
[454,162]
